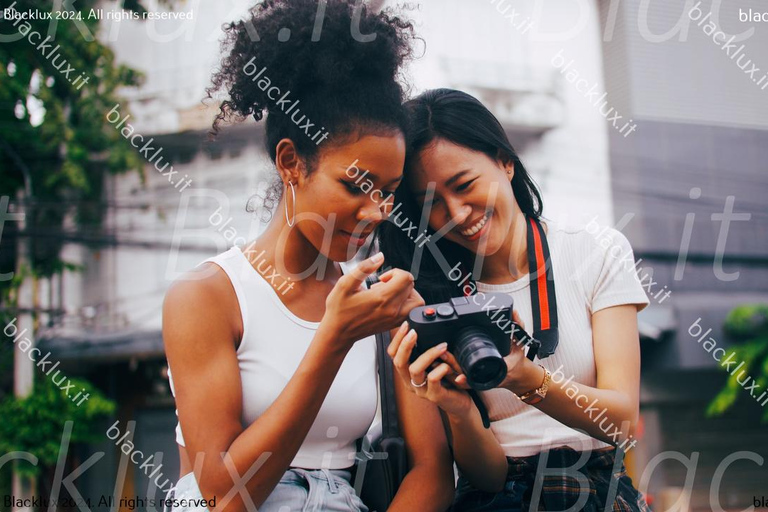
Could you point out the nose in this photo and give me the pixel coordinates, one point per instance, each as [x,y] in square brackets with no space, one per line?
[371,212]
[457,210]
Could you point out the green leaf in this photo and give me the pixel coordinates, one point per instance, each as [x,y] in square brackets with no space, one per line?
[748,320]
[747,323]
[35,424]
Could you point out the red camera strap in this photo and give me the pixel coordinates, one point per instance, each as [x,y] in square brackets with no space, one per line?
[543,303]
[543,300]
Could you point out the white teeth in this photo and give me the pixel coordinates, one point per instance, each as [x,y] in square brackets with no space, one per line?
[477,227]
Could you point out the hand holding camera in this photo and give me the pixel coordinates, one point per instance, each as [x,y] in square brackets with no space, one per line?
[354,312]
[434,375]
[517,362]
[466,343]
[478,331]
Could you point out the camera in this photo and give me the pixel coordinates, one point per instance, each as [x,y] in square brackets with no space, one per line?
[473,327]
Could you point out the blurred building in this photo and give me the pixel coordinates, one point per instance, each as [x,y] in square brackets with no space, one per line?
[514,56]
[700,152]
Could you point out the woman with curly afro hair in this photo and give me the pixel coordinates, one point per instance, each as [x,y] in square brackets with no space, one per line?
[275,384]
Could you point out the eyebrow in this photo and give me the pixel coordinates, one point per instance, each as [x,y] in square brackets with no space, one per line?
[375,177]
[448,182]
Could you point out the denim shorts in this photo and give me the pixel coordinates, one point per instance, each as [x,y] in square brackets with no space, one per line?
[299,490]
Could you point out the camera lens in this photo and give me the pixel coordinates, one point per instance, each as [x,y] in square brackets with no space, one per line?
[479,358]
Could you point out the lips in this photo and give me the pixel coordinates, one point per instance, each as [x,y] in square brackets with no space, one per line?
[477,228]
[357,239]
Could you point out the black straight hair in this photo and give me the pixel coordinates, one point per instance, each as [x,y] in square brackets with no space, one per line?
[459,118]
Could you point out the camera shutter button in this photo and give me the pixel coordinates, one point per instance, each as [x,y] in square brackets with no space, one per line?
[445,311]
[429,313]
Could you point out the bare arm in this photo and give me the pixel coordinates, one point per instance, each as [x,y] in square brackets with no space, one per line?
[478,453]
[475,448]
[201,353]
[200,339]
[617,361]
[429,484]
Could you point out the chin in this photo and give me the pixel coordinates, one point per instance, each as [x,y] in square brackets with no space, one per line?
[342,253]
[338,255]
[488,250]
[481,248]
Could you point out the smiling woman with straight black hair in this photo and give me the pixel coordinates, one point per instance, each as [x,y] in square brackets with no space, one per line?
[488,235]
[464,121]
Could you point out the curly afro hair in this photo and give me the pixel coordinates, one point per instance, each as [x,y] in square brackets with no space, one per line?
[337,57]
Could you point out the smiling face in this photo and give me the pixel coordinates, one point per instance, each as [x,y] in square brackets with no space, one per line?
[341,189]
[471,190]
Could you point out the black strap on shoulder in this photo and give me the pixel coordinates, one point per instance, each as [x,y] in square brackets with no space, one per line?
[543,300]
[543,303]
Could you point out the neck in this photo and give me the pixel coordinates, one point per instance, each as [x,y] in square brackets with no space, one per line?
[290,252]
[510,262]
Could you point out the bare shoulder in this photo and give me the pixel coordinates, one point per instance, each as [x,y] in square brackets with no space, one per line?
[201,300]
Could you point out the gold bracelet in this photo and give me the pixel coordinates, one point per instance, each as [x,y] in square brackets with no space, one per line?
[535,396]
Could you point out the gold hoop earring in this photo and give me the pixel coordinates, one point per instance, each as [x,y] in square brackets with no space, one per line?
[293,194]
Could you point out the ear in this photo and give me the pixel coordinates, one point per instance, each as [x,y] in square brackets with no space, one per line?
[510,169]
[288,162]
[506,163]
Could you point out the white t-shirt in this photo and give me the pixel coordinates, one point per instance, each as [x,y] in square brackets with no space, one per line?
[590,274]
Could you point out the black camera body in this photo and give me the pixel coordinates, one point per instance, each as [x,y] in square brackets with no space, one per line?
[471,327]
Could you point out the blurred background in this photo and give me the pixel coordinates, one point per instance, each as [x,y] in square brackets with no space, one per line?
[627,113]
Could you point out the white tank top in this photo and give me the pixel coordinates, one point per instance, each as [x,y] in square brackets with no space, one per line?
[274,342]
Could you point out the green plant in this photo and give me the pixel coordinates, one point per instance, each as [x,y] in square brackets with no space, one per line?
[9,298]
[748,326]
[56,150]
[35,424]
[55,141]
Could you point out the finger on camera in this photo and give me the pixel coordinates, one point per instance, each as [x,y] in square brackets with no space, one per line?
[397,338]
[413,300]
[401,298]
[376,285]
[389,274]
[451,379]
[516,318]
[459,381]
[398,286]
[451,360]
[418,378]
[518,345]
[519,337]
[427,358]
[355,277]
[395,274]
[439,373]
[403,354]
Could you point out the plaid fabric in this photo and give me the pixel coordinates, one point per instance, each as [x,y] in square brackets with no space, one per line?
[569,482]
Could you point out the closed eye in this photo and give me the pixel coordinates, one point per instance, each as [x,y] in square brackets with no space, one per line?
[465,185]
[352,188]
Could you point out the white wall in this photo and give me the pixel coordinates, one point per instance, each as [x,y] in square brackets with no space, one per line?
[570,162]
